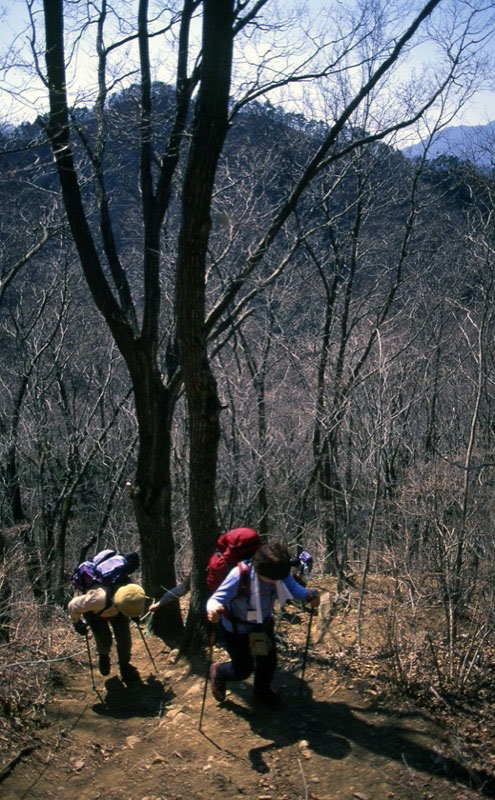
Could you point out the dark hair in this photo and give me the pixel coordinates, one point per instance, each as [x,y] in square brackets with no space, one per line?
[272,561]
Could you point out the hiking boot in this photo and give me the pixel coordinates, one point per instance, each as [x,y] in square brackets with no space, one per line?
[267,696]
[218,684]
[129,673]
[104,664]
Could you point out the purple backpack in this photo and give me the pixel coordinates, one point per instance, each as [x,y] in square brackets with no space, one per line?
[106,568]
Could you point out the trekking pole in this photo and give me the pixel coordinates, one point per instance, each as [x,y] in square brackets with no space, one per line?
[211,643]
[305,657]
[90,662]
[146,645]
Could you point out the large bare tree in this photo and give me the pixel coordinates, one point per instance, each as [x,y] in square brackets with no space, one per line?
[191,146]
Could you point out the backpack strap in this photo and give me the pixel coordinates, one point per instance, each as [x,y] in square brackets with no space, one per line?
[244,588]
[108,554]
[110,591]
[109,595]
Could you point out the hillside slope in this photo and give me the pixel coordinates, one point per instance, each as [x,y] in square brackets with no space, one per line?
[336,736]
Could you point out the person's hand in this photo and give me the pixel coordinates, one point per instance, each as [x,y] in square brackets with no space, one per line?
[81,627]
[214,611]
[154,607]
[314,598]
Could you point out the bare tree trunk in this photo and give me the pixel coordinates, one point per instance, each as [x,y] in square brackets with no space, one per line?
[12,487]
[5,593]
[154,401]
[210,128]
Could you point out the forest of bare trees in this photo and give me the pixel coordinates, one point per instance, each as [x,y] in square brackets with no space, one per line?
[215,310]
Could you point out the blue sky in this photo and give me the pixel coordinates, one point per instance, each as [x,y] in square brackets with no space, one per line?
[479,110]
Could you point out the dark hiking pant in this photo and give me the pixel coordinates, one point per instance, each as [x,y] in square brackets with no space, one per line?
[103,635]
[242,663]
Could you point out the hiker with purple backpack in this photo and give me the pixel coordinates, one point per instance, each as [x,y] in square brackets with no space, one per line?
[108,601]
[243,603]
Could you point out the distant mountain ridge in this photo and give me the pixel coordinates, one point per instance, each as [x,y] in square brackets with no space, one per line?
[475,143]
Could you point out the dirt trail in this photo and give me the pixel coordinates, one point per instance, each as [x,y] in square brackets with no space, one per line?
[326,742]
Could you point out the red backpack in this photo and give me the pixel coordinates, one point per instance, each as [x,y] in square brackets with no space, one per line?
[231,548]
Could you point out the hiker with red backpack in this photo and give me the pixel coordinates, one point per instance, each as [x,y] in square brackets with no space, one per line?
[244,604]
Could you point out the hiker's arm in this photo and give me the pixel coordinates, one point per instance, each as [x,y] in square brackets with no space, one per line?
[222,597]
[94,600]
[172,594]
[301,593]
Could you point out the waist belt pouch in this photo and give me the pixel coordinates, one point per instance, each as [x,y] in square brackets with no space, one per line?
[259,644]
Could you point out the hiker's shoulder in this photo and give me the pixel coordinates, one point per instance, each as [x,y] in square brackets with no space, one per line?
[96,595]
[231,580]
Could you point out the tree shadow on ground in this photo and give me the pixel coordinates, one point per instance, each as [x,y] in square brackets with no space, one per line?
[143,699]
[331,728]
